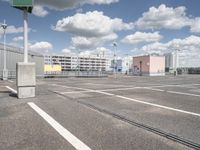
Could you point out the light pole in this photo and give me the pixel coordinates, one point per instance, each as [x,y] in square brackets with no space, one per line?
[25,13]
[5,71]
[115,49]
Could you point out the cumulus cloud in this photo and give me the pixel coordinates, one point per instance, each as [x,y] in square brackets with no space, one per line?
[41,46]
[60,5]
[67,51]
[142,37]
[91,24]
[91,42]
[67,4]
[12,30]
[195,26]
[91,29]
[40,11]
[164,17]
[98,52]
[18,38]
[189,47]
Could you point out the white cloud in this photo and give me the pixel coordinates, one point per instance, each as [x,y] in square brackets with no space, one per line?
[189,47]
[41,46]
[12,29]
[190,43]
[91,42]
[40,11]
[67,4]
[67,51]
[195,26]
[98,52]
[164,17]
[60,5]
[155,48]
[142,37]
[91,24]
[18,38]
[91,29]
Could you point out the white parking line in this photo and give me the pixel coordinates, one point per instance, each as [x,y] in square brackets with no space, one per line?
[159,106]
[10,81]
[126,88]
[14,91]
[79,145]
[181,93]
[72,87]
[159,90]
[146,103]
[174,92]
[73,92]
[131,88]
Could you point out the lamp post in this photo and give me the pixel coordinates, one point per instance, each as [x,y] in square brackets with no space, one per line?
[25,14]
[115,49]
[5,71]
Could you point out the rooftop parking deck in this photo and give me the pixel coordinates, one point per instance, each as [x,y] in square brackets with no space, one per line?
[103,113]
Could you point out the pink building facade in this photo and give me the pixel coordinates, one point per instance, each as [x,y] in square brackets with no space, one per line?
[149,65]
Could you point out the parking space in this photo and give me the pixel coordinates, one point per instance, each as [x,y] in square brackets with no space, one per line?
[108,113]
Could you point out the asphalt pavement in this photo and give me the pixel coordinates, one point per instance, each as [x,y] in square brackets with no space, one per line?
[122,113]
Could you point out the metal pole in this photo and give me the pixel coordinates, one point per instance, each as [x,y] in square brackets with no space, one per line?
[115,65]
[5,72]
[25,36]
[4,45]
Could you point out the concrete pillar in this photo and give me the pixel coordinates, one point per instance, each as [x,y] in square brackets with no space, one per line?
[26,80]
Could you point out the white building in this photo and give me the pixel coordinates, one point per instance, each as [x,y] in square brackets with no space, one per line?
[82,63]
[171,61]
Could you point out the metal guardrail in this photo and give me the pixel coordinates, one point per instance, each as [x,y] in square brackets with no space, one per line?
[76,74]
[12,74]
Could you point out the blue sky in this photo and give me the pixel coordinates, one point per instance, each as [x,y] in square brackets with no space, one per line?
[138,26]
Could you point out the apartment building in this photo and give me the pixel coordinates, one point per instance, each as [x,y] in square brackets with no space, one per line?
[73,63]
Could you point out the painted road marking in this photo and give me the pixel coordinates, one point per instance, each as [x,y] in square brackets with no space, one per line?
[174,92]
[10,81]
[79,145]
[146,103]
[74,92]
[181,93]
[159,90]
[108,84]
[159,106]
[11,89]
[131,88]
[72,87]
[125,88]
[153,88]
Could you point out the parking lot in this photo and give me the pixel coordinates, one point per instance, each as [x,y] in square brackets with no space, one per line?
[122,113]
